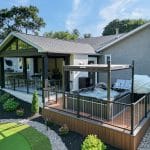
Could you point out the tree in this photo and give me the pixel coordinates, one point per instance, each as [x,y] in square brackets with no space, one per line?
[20,19]
[35,103]
[125,25]
[76,32]
[65,35]
[87,35]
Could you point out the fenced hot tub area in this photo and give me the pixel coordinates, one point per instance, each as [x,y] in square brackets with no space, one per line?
[120,121]
[120,113]
[124,129]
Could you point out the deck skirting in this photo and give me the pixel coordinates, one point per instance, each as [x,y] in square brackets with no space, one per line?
[118,138]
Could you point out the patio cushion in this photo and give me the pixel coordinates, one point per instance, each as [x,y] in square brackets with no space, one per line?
[122,84]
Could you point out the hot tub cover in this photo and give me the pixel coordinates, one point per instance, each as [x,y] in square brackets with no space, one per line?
[141,84]
[99,93]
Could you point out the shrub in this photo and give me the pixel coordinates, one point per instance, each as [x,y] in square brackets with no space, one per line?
[35,103]
[91,142]
[10,105]
[50,123]
[63,130]
[20,112]
[4,98]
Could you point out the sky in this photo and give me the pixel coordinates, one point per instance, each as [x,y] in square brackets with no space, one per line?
[88,16]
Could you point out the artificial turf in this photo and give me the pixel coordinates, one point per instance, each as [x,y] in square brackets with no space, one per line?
[16,136]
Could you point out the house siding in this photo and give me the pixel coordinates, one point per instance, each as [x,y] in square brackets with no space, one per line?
[76,59]
[135,47]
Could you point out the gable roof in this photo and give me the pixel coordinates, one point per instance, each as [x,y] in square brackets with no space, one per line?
[43,44]
[99,42]
[103,42]
[124,37]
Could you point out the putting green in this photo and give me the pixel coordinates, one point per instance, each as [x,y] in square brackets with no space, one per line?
[16,136]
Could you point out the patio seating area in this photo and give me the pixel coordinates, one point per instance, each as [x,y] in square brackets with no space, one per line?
[17,82]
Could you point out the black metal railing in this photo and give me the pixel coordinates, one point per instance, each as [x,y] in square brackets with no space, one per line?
[24,85]
[119,113]
[139,111]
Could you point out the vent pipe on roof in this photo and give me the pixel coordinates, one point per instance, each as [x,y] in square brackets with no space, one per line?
[117,32]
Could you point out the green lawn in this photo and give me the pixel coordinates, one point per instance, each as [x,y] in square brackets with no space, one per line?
[15,136]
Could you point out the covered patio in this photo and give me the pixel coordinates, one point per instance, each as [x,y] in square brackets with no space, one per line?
[38,62]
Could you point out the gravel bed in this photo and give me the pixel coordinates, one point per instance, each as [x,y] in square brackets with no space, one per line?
[55,140]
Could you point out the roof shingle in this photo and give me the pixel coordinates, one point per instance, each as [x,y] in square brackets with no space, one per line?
[57,46]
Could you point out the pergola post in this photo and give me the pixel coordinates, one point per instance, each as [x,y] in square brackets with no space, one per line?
[67,75]
[35,64]
[108,78]
[2,73]
[25,72]
[98,74]
[44,76]
[132,85]
[109,105]
[63,85]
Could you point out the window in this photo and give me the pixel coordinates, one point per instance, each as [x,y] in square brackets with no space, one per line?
[12,45]
[106,57]
[21,45]
[20,64]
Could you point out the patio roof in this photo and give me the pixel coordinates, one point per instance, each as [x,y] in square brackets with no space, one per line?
[48,45]
[96,67]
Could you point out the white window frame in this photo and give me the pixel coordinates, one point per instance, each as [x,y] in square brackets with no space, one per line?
[106,56]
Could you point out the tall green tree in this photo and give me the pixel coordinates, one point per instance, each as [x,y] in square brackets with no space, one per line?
[76,32]
[22,19]
[125,25]
[65,35]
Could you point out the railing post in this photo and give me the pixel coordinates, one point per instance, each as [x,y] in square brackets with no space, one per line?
[56,96]
[132,118]
[14,84]
[18,82]
[64,100]
[43,97]
[78,106]
[27,86]
[132,84]
[146,106]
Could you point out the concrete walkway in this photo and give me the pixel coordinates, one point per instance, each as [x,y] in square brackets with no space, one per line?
[23,96]
[145,143]
[28,97]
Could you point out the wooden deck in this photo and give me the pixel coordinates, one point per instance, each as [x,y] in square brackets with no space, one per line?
[115,131]
[119,138]
[116,121]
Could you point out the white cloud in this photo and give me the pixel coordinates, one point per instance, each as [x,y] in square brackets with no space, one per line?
[19,2]
[140,13]
[121,9]
[74,15]
[80,9]
[116,9]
